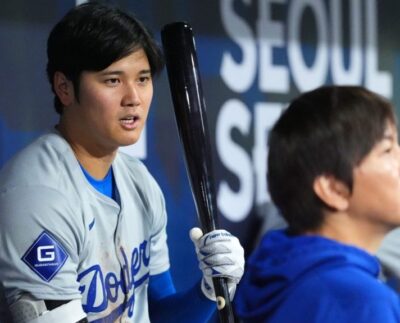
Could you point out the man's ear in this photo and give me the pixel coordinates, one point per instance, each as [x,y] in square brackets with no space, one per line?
[63,88]
[332,191]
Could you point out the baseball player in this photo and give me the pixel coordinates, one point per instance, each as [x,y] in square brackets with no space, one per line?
[82,225]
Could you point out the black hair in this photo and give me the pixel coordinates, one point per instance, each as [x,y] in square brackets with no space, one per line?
[327,131]
[92,36]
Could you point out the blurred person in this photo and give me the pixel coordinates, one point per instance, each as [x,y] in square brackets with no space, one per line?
[334,175]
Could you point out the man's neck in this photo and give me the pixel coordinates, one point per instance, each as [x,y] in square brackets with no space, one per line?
[96,162]
[96,167]
[344,228]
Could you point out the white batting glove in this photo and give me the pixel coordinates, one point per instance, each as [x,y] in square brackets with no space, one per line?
[220,254]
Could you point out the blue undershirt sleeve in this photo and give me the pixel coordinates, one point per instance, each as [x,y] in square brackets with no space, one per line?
[166,305]
[160,286]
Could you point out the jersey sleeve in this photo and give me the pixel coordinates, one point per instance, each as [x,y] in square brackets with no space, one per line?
[158,243]
[40,244]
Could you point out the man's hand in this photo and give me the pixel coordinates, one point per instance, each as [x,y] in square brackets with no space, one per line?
[220,254]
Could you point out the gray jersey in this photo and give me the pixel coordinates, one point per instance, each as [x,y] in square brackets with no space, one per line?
[61,239]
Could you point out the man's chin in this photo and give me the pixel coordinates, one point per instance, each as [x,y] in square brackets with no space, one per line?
[126,144]
[129,141]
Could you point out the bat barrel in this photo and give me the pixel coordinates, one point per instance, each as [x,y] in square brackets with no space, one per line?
[190,112]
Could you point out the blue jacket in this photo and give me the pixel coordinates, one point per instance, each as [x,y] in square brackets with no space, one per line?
[309,279]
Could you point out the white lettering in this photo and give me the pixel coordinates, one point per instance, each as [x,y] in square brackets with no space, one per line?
[238,76]
[378,81]
[308,78]
[235,205]
[46,256]
[272,78]
[275,52]
[265,116]
[353,75]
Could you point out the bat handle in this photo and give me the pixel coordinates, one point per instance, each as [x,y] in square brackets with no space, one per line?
[224,306]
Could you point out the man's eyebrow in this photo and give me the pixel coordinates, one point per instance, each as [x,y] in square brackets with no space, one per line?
[389,136]
[111,72]
[145,71]
[118,72]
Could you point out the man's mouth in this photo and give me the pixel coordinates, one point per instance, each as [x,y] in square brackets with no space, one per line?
[129,121]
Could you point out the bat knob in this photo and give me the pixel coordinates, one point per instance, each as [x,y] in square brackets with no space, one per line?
[195,234]
[220,302]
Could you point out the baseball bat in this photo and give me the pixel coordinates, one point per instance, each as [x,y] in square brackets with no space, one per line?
[191,119]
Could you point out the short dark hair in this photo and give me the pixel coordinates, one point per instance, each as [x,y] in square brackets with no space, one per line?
[327,131]
[92,36]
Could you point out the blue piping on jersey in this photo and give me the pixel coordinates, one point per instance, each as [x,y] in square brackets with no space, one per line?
[91,225]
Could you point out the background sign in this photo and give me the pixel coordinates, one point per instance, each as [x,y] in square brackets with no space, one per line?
[254,57]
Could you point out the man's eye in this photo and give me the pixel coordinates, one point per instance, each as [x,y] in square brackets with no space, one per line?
[112,81]
[144,79]
[389,149]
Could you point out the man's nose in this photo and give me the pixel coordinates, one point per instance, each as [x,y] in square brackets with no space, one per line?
[131,95]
